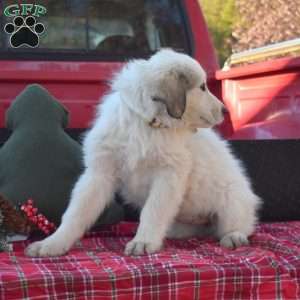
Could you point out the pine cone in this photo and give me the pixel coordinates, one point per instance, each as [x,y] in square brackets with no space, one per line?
[13,220]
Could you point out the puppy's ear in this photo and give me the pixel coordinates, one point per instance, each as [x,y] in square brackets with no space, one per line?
[175,107]
[173,94]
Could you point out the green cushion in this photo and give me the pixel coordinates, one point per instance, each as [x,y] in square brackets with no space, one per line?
[39,160]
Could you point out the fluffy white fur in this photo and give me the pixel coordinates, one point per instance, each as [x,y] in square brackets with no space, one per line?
[180,176]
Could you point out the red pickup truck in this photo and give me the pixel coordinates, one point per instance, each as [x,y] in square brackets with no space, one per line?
[85,42]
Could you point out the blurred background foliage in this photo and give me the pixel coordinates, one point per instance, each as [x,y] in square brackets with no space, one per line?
[238,25]
[221,17]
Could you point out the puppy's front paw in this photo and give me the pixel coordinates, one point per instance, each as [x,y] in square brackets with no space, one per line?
[234,239]
[135,247]
[45,248]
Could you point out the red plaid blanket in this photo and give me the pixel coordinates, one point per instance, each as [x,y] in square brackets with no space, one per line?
[192,269]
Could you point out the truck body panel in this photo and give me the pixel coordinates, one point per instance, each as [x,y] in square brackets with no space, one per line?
[263,99]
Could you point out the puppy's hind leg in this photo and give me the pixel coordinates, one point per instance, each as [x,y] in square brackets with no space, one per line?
[237,217]
[93,191]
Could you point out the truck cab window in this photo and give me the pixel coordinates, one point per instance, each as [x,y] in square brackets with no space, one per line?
[108,27]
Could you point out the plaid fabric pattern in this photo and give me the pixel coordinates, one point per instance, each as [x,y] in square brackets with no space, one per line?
[186,269]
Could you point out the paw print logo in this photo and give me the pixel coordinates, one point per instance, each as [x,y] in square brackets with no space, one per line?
[24,31]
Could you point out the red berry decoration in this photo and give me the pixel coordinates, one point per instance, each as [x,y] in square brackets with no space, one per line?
[39,220]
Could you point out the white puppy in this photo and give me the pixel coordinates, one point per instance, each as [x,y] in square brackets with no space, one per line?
[144,144]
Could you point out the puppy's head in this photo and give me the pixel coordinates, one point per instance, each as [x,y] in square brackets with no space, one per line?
[170,87]
[179,83]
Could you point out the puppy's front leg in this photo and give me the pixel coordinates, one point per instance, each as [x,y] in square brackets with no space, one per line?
[93,191]
[159,211]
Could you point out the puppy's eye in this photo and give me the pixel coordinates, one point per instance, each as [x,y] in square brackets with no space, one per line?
[203,87]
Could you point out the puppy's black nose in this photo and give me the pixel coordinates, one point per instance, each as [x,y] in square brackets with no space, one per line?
[225,110]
